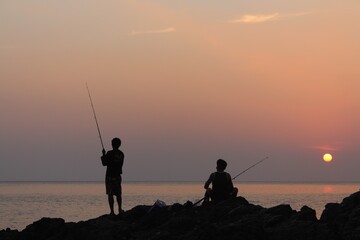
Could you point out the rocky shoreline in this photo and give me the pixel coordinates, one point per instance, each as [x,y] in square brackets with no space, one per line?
[233,219]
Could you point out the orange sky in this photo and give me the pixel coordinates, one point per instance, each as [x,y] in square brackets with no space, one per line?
[182,84]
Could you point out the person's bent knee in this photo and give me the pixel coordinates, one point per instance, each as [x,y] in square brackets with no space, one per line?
[234,192]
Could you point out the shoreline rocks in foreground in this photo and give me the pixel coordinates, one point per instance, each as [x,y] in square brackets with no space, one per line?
[233,219]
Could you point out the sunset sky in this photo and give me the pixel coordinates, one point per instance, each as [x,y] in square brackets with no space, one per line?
[182,83]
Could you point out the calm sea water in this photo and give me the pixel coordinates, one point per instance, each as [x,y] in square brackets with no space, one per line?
[25,202]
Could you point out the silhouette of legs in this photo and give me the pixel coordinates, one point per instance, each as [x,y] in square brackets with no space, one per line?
[207,195]
[113,187]
[210,195]
[119,201]
[111,204]
[234,192]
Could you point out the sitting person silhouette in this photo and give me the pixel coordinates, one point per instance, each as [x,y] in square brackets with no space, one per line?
[113,160]
[222,185]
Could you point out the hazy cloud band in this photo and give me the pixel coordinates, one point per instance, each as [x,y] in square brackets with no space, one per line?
[165,30]
[251,18]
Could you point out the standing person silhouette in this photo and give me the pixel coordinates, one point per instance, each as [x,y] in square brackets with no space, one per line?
[222,185]
[113,160]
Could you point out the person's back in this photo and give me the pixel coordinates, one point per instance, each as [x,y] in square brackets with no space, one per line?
[222,185]
[114,160]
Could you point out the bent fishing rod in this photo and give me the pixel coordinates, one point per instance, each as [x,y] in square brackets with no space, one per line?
[238,175]
[97,124]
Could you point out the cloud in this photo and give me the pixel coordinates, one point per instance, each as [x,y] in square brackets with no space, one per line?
[325,148]
[165,30]
[248,18]
[298,14]
[256,18]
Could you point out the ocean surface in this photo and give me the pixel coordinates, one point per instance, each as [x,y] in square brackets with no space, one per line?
[22,203]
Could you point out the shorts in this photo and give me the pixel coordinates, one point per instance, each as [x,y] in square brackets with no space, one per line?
[113,185]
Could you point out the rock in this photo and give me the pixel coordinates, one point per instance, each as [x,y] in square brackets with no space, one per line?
[246,228]
[137,212]
[232,219]
[306,214]
[244,210]
[330,213]
[176,207]
[351,202]
[188,204]
[9,234]
[281,210]
[44,228]
[344,218]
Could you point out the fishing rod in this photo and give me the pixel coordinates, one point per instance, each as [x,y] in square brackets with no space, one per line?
[250,167]
[97,124]
[238,175]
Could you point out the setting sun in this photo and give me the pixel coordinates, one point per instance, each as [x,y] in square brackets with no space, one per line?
[327,157]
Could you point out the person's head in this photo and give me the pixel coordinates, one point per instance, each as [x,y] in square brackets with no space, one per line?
[116,142]
[221,165]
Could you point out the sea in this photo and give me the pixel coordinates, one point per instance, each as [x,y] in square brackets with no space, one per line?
[22,203]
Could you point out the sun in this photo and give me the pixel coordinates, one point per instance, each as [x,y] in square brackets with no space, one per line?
[327,157]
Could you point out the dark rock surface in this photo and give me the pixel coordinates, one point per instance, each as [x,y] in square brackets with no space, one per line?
[233,219]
